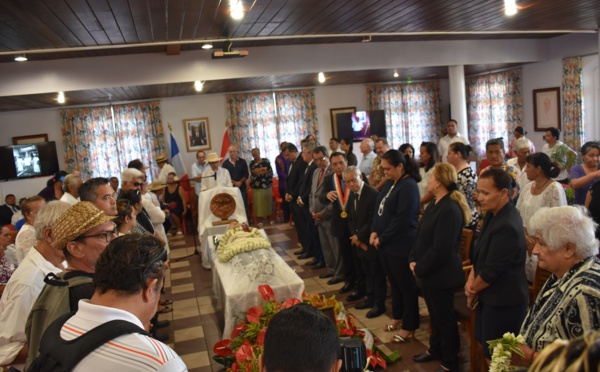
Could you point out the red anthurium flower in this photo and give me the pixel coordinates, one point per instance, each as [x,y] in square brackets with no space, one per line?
[221,348]
[244,353]
[235,367]
[260,339]
[382,363]
[254,313]
[238,329]
[266,292]
[248,367]
[290,302]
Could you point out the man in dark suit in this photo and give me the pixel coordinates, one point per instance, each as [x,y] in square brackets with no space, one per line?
[7,210]
[335,193]
[370,279]
[295,173]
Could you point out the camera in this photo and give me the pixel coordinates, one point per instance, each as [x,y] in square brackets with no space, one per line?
[353,354]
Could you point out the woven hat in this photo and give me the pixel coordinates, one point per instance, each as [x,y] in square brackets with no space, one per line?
[156,185]
[161,159]
[76,221]
[213,157]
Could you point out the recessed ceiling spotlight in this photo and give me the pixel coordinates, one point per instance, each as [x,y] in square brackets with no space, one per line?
[61,97]
[396,74]
[366,39]
[21,58]
[321,77]
[237,9]
[510,7]
[207,46]
[198,85]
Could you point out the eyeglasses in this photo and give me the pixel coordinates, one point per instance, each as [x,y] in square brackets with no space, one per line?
[107,235]
[161,257]
[138,184]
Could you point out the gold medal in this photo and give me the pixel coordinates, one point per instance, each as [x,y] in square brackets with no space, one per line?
[344,214]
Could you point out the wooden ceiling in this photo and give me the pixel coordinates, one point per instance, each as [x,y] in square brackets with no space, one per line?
[58,29]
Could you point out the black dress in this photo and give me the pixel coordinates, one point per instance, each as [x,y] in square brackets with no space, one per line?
[174,202]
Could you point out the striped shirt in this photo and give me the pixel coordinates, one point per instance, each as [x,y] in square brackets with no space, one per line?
[130,352]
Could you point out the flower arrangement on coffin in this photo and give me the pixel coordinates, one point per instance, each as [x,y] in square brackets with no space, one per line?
[502,350]
[241,351]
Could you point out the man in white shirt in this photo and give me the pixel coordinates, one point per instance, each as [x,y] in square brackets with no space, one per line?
[522,149]
[165,168]
[366,148]
[214,175]
[450,138]
[25,285]
[197,170]
[71,185]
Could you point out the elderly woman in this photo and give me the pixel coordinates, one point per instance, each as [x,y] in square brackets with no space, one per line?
[466,178]
[586,174]
[568,305]
[26,237]
[6,268]
[522,149]
[497,287]
[261,179]
[393,233]
[435,259]
[541,192]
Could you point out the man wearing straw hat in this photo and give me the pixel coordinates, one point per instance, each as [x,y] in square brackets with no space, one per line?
[165,168]
[214,175]
[81,233]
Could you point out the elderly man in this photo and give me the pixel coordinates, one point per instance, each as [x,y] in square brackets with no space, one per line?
[450,138]
[568,304]
[25,285]
[522,149]
[81,233]
[214,176]
[366,148]
[165,168]
[129,277]
[238,170]
[376,177]
[71,185]
[197,169]
[99,192]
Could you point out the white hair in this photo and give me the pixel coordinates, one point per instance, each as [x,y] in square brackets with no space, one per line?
[129,174]
[569,224]
[522,143]
[352,169]
[71,180]
[48,215]
[369,143]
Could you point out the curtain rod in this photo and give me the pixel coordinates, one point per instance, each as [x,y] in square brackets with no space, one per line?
[108,103]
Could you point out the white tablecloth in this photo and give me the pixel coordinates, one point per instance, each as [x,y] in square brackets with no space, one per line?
[235,283]
[206,218]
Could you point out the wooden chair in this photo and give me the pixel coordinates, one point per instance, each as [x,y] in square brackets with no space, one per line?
[465,245]
[540,278]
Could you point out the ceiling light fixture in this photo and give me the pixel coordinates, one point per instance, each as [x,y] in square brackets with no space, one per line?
[207,46]
[237,9]
[396,74]
[198,85]
[21,58]
[366,39]
[321,77]
[61,97]
[510,7]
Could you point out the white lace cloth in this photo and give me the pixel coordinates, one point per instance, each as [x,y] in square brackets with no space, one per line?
[235,283]
[528,204]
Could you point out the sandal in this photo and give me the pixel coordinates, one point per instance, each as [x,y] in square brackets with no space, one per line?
[166,302]
[400,340]
[391,327]
[164,310]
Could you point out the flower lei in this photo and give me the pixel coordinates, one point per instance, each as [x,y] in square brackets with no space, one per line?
[502,349]
[237,241]
[241,351]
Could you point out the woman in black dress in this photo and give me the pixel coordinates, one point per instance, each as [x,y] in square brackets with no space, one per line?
[174,198]
[435,260]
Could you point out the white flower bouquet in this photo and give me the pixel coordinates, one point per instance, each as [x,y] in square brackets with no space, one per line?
[502,350]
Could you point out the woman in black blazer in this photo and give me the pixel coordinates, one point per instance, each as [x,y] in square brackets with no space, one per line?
[497,285]
[393,233]
[435,260]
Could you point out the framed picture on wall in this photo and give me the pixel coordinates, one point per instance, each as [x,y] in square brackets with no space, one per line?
[26,140]
[334,113]
[546,109]
[197,134]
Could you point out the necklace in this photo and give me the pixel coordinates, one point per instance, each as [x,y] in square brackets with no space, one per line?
[539,187]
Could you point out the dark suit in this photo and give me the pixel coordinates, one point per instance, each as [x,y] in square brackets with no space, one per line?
[499,259]
[439,266]
[6,214]
[360,220]
[295,173]
[311,236]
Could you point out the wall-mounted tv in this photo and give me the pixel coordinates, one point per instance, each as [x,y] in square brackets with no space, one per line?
[361,124]
[26,161]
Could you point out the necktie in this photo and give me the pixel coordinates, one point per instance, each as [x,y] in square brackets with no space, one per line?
[321,176]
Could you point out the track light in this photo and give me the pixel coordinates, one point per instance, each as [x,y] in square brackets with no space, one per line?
[198,85]
[321,77]
[396,74]
[61,97]
[21,58]
[510,7]
[237,9]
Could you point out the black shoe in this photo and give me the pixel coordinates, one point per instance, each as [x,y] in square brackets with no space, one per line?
[364,305]
[319,265]
[161,336]
[325,276]
[305,256]
[347,287]
[334,281]
[355,296]
[313,262]
[423,358]
[161,324]
[375,312]
[300,252]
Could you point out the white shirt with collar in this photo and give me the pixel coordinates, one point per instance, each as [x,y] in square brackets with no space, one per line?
[197,170]
[164,172]
[20,294]
[519,172]
[445,143]
[67,197]
[223,178]
[367,163]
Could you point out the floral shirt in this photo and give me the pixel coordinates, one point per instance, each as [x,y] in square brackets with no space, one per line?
[261,181]
[376,174]
[466,183]
[6,270]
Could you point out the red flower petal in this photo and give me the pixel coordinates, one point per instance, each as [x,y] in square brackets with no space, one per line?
[260,339]
[290,302]
[221,348]
[244,353]
[235,367]
[238,329]
[254,313]
[266,292]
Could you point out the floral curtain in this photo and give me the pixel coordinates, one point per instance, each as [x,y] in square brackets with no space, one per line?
[494,107]
[100,141]
[412,111]
[572,102]
[265,119]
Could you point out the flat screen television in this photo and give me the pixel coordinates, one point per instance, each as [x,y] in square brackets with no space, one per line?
[26,161]
[361,124]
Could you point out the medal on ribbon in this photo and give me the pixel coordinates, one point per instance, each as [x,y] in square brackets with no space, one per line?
[342,198]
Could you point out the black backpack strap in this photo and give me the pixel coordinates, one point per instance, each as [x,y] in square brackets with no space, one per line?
[69,353]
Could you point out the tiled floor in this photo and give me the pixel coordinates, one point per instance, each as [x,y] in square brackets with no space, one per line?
[195,326]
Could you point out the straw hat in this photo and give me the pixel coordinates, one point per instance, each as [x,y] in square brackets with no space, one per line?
[161,159]
[213,157]
[156,185]
[76,221]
